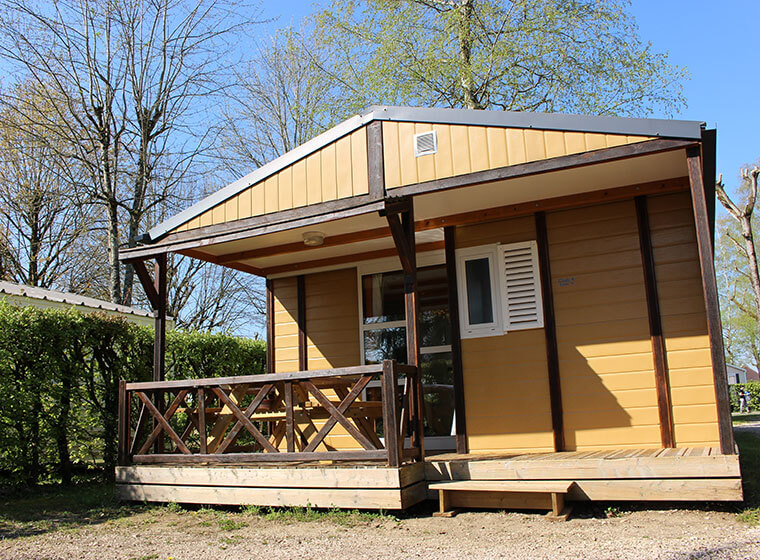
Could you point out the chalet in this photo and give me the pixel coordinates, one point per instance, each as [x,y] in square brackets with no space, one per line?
[508,309]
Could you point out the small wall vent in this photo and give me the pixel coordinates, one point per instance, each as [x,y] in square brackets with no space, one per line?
[425,143]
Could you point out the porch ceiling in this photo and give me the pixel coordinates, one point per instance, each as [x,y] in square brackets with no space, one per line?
[365,236]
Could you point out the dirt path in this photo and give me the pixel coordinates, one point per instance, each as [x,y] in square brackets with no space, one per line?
[161,534]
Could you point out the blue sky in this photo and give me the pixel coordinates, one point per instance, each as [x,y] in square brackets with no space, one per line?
[717,41]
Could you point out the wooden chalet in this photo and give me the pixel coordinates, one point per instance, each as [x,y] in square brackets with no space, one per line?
[511,309]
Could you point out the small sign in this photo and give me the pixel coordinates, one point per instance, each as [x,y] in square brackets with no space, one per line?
[565,282]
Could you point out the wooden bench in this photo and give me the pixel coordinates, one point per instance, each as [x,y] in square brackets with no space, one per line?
[507,494]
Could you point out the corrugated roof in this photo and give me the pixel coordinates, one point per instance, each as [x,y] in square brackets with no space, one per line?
[10,288]
[662,128]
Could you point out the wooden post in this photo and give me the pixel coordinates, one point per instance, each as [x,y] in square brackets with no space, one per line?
[303,363]
[290,437]
[402,231]
[661,376]
[202,419]
[412,311]
[449,234]
[550,332]
[710,291]
[124,435]
[375,160]
[270,325]
[159,345]
[390,419]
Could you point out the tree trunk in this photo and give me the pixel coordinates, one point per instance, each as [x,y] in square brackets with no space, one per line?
[466,15]
[113,252]
[754,275]
[62,427]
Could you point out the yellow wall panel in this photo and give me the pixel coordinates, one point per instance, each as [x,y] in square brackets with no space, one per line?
[443,162]
[391,158]
[285,188]
[425,165]
[606,366]
[271,196]
[478,144]
[684,320]
[360,170]
[460,150]
[330,175]
[506,383]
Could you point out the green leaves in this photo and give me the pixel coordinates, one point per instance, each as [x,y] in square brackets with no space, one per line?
[579,56]
[59,375]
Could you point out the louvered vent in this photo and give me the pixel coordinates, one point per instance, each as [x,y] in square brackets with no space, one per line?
[523,308]
[425,143]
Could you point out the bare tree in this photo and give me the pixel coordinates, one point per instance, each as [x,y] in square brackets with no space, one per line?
[45,226]
[131,78]
[283,99]
[745,241]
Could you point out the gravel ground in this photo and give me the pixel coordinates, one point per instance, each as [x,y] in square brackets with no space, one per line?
[163,534]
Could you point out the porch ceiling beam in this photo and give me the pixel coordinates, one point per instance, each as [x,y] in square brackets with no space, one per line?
[342,259]
[295,247]
[200,255]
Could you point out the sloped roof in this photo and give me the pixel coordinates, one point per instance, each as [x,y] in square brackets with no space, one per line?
[75,300]
[659,128]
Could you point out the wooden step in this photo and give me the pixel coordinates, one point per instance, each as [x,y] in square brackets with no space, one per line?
[507,494]
[548,486]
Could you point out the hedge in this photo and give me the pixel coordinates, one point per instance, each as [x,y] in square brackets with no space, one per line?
[753,388]
[59,375]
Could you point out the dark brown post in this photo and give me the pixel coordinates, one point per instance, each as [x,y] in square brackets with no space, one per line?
[124,434]
[270,325]
[290,437]
[412,309]
[390,419]
[710,290]
[550,333]
[661,376]
[449,234]
[303,363]
[202,419]
[159,346]
[375,160]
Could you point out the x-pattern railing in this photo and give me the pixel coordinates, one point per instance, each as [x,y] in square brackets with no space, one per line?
[274,417]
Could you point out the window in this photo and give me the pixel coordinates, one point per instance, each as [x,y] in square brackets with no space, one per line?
[478,288]
[499,289]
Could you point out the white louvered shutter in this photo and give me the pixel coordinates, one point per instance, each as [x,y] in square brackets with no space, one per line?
[521,287]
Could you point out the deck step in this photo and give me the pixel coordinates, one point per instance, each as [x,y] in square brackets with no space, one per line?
[547,486]
[507,494]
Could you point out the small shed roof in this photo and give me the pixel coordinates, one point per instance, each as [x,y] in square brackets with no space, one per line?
[42,297]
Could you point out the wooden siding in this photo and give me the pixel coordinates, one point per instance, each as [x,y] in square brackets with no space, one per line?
[339,170]
[332,331]
[285,325]
[684,321]
[606,365]
[506,384]
[465,149]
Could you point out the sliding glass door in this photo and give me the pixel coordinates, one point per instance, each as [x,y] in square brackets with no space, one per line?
[383,331]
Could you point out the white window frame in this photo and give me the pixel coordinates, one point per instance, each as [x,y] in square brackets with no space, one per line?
[496,327]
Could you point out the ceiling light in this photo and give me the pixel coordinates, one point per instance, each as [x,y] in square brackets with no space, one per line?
[313,238]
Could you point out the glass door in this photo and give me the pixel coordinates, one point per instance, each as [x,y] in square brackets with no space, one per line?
[383,332]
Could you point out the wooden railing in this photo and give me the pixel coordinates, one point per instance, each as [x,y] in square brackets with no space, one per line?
[275,417]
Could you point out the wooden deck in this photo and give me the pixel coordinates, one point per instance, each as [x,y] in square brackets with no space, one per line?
[679,474]
[683,474]
[344,485]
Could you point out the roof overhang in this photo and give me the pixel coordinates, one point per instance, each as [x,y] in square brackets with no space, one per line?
[655,128]
[273,244]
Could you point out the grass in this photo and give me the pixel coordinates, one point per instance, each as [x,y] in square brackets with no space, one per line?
[32,511]
[749,457]
[310,514]
[745,418]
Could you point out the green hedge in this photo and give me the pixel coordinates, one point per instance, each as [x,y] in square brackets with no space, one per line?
[59,376]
